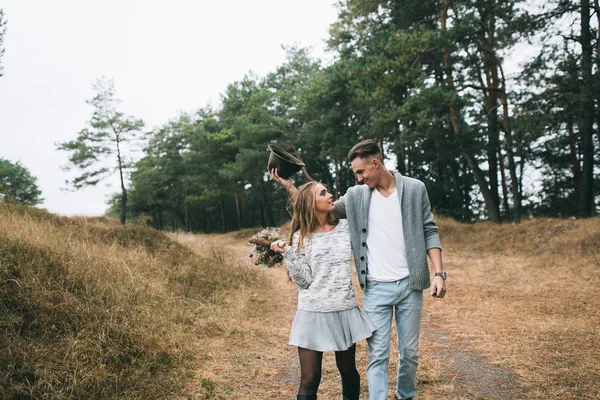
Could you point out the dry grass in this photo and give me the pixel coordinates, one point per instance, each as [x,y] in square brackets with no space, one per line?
[91,309]
[520,320]
[524,297]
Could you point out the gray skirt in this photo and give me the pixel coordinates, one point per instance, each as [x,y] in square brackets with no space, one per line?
[330,331]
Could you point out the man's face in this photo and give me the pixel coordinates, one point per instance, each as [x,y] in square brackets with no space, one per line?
[366,171]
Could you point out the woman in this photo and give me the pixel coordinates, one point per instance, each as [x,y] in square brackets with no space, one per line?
[328,319]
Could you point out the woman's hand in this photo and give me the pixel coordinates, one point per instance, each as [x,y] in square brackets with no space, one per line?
[275,176]
[286,183]
[279,246]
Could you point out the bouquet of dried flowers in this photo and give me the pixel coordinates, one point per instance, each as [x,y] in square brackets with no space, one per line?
[259,248]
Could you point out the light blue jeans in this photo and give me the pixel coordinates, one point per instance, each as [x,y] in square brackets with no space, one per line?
[381,300]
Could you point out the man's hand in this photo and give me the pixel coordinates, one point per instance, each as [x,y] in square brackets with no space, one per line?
[279,246]
[438,287]
[286,183]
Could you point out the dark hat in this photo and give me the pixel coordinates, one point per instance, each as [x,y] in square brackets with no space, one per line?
[286,164]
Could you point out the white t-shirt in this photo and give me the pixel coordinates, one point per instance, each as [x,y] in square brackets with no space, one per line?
[386,251]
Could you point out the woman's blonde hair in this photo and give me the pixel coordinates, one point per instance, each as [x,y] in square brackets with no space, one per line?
[304,217]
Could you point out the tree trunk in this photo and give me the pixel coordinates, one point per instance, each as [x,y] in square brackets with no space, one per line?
[456,180]
[123,190]
[491,73]
[408,165]
[503,182]
[222,215]
[491,208]
[586,201]
[512,166]
[261,202]
[123,213]
[186,213]
[337,180]
[574,160]
[466,184]
[160,218]
[243,201]
[268,209]
[400,160]
[400,153]
[237,209]
[491,204]
[597,9]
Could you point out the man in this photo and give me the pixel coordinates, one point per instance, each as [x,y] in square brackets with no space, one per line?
[392,231]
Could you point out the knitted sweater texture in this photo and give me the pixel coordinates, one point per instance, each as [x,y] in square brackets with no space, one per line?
[321,269]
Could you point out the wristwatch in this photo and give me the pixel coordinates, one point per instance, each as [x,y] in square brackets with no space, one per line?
[442,274]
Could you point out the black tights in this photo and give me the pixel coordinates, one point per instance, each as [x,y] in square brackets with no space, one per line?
[310,370]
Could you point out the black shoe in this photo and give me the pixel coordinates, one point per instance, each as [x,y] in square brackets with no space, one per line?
[306,397]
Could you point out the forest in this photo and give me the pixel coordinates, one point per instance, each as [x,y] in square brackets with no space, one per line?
[493,104]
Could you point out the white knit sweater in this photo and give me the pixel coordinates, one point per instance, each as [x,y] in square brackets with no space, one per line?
[321,269]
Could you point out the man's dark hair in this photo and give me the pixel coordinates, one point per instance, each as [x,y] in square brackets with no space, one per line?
[365,149]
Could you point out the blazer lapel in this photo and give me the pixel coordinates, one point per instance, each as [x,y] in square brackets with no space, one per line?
[367,193]
[400,190]
[403,210]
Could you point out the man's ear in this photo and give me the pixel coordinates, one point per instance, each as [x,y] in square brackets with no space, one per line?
[376,163]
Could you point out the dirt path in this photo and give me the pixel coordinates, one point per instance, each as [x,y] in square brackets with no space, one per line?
[252,360]
[465,373]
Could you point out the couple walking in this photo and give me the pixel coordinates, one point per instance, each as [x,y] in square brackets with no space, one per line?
[387,223]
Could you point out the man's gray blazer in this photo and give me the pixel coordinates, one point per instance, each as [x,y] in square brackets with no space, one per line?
[420,230]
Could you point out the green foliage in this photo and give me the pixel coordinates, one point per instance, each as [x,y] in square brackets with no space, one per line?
[552,112]
[17,185]
[209,388]
[207,171]
[105,146]
[2,34]
[426,81]
[105,137]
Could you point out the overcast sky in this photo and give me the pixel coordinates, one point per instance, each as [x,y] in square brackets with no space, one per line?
[165,57]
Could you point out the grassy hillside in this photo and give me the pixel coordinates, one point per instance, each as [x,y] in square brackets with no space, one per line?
[91,309]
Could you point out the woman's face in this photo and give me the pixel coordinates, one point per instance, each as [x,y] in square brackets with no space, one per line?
[323,199]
